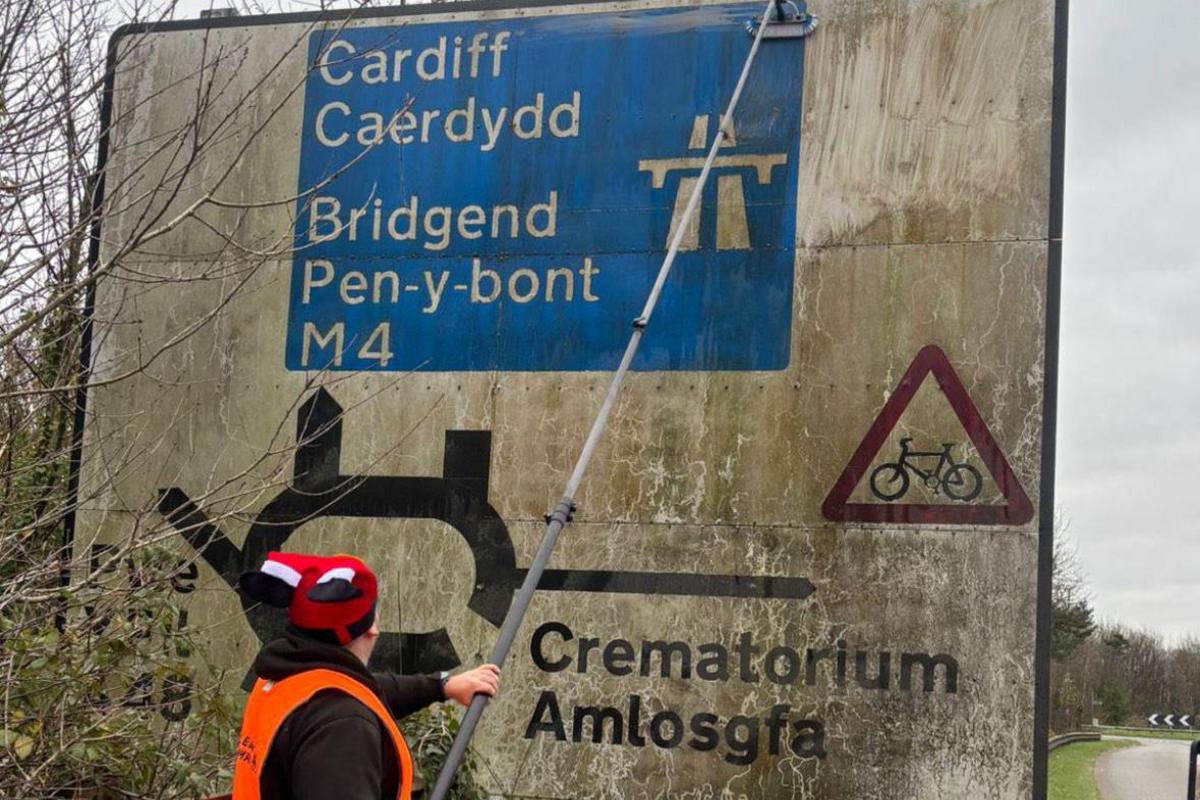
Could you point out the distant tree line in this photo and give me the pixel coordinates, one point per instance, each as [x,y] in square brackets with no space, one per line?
[1108,671]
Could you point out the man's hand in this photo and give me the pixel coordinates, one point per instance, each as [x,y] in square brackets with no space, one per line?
[481,680]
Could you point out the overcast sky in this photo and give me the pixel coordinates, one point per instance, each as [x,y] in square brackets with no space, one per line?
[1129,411]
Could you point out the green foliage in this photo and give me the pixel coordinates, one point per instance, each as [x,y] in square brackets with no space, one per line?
[1117,641]
[1113,699]
[103,695]
[1071,625]
[429,734]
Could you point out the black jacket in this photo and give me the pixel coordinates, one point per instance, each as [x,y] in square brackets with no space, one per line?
[333,747]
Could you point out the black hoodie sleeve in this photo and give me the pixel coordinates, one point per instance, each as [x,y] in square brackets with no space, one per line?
[408,694]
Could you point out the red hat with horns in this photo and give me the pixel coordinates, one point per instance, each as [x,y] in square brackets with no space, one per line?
[330,598]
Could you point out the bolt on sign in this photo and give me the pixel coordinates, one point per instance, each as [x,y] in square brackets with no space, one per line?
[362,278]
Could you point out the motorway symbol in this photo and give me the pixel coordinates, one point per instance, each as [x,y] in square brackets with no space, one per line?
[955,479]
[459,498]
[732,227]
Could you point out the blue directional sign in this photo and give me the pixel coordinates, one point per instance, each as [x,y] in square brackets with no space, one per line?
[498,195]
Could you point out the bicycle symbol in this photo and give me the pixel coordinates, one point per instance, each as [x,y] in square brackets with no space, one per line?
[958,480]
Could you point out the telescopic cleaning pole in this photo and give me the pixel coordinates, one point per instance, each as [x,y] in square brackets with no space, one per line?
[772,14]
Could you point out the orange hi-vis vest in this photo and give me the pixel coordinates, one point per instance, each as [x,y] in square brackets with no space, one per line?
[270,704]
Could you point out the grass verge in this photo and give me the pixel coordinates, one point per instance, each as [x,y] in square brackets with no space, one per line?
[1073,769]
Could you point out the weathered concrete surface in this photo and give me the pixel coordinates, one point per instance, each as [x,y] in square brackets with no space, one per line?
[1154,770]
[923,204]
[931,122]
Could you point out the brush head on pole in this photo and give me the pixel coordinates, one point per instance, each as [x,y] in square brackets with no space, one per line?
[786,21]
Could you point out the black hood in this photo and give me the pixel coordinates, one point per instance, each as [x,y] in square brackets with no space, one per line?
[295,653]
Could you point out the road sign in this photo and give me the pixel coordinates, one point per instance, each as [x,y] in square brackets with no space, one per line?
[956,481]
[1159,719]
[397,249]
[544,270]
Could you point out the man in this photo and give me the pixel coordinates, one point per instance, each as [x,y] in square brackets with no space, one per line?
[318,725]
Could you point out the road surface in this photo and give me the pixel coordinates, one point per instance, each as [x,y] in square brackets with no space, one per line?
[1156,770]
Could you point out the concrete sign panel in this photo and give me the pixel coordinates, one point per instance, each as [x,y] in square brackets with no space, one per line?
[363,277]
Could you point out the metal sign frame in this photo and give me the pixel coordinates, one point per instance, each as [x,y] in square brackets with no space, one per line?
[1052,308]
[1193,755]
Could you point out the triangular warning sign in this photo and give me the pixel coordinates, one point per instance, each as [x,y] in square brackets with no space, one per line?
[1017,509]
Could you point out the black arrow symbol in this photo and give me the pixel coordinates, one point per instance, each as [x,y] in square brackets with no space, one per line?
[459,499]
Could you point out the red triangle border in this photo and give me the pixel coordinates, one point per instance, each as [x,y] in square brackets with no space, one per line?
[1018,509]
